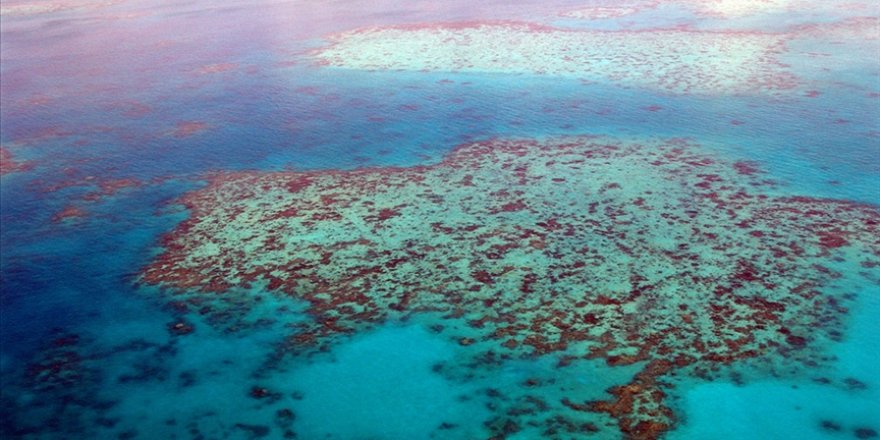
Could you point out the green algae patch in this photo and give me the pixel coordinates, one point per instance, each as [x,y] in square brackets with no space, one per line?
[637,252]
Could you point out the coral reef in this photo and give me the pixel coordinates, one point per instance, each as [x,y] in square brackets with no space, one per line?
[641,252]
[672,60]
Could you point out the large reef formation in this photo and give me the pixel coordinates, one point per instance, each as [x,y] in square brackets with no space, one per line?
[641,252]
[671,60]
[678,60]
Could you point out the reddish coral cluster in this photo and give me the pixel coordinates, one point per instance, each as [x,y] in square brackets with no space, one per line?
[638,252]
[103,189]
[68,213]
[189,128]
[108,188]
[59,365]
[9,165]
